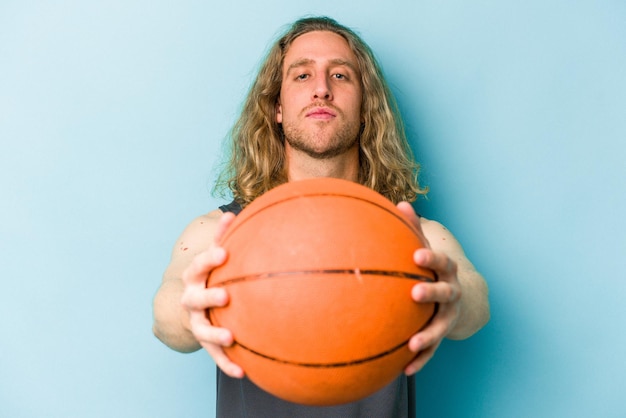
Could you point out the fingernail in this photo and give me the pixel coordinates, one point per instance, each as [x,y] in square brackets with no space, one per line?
[419,257]
[237,371]
[220,298]
[418,292]
[225,338]
[219,254]
[417,342]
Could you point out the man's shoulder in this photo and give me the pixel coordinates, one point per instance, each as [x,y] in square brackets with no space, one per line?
[207,218]
[203,225]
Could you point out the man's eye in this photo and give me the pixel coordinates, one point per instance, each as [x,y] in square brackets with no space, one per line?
[340,76]
[302,77]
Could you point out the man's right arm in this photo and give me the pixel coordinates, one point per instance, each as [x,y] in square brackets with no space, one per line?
[171,319]
[171,322]
[180,305]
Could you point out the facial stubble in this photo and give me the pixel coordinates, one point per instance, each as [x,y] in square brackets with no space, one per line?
[317,144]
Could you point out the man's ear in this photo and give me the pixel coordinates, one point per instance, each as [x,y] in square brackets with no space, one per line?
[279,110]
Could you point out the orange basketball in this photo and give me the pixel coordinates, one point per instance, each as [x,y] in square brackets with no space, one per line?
[319,274]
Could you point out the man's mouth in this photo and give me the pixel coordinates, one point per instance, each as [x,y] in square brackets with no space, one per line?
[320,113]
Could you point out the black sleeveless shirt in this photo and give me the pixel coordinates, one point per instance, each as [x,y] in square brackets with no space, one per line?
[242,398]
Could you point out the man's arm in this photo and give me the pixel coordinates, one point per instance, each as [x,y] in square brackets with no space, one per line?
[171,320]
[181,302]
[473,300]
[460,292]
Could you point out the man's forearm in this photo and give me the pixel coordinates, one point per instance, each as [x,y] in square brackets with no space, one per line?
[171,322]
[474,312]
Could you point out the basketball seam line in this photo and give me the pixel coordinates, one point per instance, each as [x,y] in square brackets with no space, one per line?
[342,363]
[395,215]
[352,272]
[326,365]
[336,364]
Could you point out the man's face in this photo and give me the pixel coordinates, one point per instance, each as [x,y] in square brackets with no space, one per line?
[320,98]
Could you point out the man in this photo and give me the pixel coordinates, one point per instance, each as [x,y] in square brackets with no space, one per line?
[319,108]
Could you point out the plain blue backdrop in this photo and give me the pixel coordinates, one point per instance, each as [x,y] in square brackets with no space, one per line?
[112,115]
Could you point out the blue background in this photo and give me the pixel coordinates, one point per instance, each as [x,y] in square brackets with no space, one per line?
[112,115]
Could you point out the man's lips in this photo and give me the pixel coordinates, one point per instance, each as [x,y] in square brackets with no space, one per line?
[320,113]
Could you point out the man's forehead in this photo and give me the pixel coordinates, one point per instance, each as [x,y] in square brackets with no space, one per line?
[319,46]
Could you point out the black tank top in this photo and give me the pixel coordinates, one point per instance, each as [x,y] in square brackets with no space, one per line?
[242,398]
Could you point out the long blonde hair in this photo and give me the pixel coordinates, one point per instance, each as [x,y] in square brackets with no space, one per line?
[257,159]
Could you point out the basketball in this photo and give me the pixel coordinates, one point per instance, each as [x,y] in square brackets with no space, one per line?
[319,274]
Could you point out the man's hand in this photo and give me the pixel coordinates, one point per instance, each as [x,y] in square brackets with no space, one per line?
[197,298]
[446,292]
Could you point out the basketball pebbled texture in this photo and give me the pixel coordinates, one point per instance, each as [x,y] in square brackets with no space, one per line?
[319,274]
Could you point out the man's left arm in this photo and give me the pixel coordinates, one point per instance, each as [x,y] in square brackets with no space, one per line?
[460,291]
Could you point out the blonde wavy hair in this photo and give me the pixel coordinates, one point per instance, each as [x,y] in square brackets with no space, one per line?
[257,156]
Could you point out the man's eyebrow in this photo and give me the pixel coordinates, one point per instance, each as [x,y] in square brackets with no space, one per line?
[307,61]
[342,62]
[300,63]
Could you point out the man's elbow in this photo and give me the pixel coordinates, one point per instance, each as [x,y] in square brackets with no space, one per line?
[175,342]
[475,316]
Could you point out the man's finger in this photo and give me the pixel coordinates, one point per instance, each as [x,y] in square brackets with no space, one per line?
[223,362]
[202,264]
[225,221]
[200,299]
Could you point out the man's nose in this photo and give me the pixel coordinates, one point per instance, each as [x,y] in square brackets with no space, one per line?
[322,89]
